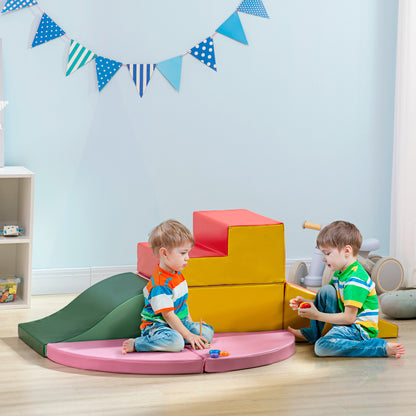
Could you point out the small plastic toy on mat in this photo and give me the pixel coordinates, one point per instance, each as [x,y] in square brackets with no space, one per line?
[11,231]
[218,353]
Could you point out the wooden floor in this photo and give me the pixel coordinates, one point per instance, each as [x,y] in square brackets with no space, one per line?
[302,385]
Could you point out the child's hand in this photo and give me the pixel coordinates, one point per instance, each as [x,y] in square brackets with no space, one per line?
[294,303]
[310,312]
[197,342]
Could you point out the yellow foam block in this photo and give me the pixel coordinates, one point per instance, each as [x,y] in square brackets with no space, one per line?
[387,329]
[256,255]
[291,318]
[238,308]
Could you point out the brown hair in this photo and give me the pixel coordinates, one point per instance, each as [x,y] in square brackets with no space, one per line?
[340,234]
[169,234]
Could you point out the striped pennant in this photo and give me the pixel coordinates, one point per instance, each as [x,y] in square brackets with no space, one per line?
[78,56]
[141,75]
[11,5]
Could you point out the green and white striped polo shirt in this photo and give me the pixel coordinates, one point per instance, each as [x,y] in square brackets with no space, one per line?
[355,288]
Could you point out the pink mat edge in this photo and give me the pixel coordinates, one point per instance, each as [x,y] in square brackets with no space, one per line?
[59,353]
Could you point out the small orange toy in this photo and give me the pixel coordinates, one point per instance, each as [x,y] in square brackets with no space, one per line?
[224,353]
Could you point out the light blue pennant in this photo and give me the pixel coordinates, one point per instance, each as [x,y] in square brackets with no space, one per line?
[141,75]
[254,7]
[233,29]
[171,70]
[106,69]
[205,53]
[47,30]
[12,5]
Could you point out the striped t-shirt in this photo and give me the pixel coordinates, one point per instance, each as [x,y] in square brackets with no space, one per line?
[164,292]
[355,288]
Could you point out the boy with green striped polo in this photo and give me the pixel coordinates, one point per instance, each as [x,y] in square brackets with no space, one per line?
[349,302]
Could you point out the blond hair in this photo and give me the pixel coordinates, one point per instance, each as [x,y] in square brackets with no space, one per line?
[169,234]
[338,235]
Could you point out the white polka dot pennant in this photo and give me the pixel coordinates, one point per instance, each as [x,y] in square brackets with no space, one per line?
[12,5]
[254,7]
[205,53]
[106,69]
[47,30]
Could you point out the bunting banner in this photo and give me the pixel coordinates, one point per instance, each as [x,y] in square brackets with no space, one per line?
[106,69]
[17,4]
[254,7]
[141,74]
[47,30]
[171,69]
[204,52]
[233,28]
[78,56]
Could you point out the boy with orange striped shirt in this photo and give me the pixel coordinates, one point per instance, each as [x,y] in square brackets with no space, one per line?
[166,322]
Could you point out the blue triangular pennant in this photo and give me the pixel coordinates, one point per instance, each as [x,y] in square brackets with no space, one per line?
[47,30]
[171,70]
[254,7]
[11,5]
[106,68]
[205,53]
[233,29]
[141,75]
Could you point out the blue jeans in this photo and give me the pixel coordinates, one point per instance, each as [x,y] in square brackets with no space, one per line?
[341,340]
[161,337]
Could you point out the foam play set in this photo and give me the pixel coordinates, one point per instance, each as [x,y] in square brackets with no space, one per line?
[236,279]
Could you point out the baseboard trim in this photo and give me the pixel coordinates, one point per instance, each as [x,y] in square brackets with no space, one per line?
[60,281]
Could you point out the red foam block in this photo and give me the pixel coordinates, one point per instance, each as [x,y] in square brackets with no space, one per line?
[210,228]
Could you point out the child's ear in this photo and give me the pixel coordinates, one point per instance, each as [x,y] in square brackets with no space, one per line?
[348,250]
[163,252]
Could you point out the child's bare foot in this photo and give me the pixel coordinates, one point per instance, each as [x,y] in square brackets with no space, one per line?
[397,350]
[128,346]
[296,333]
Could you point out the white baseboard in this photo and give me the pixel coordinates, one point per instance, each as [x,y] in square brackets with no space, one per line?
[60,281]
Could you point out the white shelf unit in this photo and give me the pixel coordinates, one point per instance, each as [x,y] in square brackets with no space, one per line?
[16,208]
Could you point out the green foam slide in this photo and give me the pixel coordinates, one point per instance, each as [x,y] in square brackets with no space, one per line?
[110,309]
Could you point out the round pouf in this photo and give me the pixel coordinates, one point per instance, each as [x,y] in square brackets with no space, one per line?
[400,304]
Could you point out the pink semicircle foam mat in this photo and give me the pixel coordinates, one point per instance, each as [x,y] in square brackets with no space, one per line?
[246,350]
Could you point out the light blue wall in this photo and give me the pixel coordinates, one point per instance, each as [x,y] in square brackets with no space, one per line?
[297,125]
